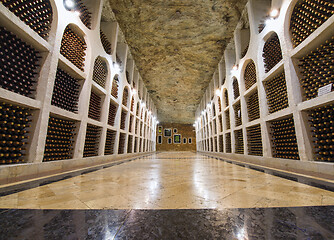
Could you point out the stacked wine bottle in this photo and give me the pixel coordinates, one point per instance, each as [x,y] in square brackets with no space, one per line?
[239,141]
[226,97]
[94,111]
[121,143]
[73,48]
[131,123]
[85,15]
[219,104]
[284,139]
[66,91]
[125,97]
[237,114]
[110,142]
[19,64]
[123,119]
[220,120]
[277,95]
[254,140]
[322,127]
[250,75]
[317,69]
[253,106]
[236,91]
[36,14]
[130,139]
[221,143]
[100,72]
[105,42]
[228,142]
[112,113]
[92,141]
[307,16]
[114,88]
[59,139]
[227,119]
[135,145]
[132,104]
[211,144]
[272,53]
[14,129]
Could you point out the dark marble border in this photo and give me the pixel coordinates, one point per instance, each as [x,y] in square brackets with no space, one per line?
[252,223]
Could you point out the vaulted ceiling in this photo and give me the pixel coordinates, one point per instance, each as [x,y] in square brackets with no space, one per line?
[177,45]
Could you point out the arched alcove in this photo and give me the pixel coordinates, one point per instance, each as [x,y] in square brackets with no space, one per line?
[125,97]
[236,91]
[114,87]
[100,71]
[272,53]
[250,75]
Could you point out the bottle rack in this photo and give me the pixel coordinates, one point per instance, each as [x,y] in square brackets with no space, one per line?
[219,105]
[105,42]
[73,48]
[220,120]
[132,104]
[316,69]
[221,143]
[131,123]
[284,139]
[130,139]
[254,140]
[65,91]
[211,144]
[272,53]
[250,75]
[15,124]
[100,72]
[277,95]
[36,14]
[125,97]
[277,86]
[237,114]
[228,143]
[239,141]
[92,141]
[59,139]
[135,145]
[19,64]
[236,92]
[215,145]
[307,16]
[322,128]
[121,145]
[112,113]
[123,119]
[110,142]
[253,108]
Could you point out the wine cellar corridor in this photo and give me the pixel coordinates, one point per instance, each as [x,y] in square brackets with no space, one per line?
[166,119]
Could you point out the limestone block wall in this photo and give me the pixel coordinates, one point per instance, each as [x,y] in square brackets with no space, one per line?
[263,104]
[106,114]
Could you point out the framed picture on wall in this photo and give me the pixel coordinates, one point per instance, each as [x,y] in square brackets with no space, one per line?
[160,130]
[177,138]
[184,140]
[189,140]
[168,132]
[169,141]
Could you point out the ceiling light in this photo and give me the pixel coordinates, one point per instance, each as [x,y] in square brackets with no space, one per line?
[194,125]
[217,91]
[235,67]
[209,105]
[134,92]
[157,122]
[117,67]
[69,4]
[143,104]
[274,13]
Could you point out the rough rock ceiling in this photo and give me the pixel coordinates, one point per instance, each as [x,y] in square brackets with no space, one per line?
[177,45]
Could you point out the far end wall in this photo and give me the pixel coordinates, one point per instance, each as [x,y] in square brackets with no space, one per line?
[168,132]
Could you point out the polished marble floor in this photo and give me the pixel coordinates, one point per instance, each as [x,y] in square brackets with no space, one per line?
[170,181]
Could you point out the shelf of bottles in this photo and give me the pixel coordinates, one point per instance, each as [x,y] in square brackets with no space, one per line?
[137,126]
[105,42]
[15,123]
[140,145]
[307,16]
[110,142]
[221,143]
[276,92]
[100,72]
[60,139]
[239,141]
[135,145]
[35,13]
[123,119]
[284,142]
[114,87]
[65,91]
[322,128]
[316,69]
[85,15]
[272,53]
[125,97]
[254,140]
[131,123]
[73,48]
[112,113]
[211,144]
[121,144]
[226,97]
[130,139]
[214,129]
[250,75]
[236,91]
[20,64]
[253,106]
[94,111]
[132,107]
[219,104]
[220,120]
[228,142]
[227,119]
[92,141]
[215,144]
[237,114]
